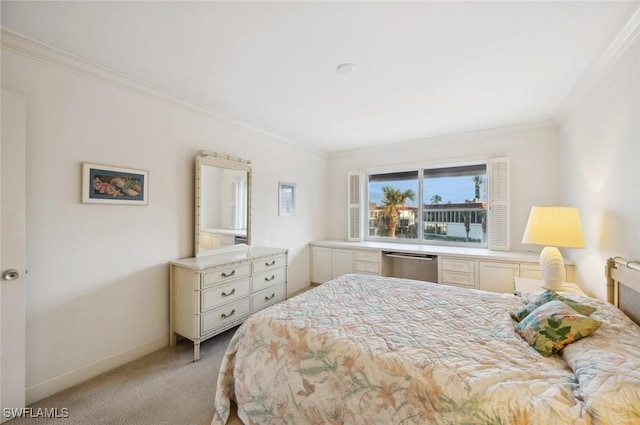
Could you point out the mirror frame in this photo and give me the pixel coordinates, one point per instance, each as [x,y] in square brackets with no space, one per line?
[223,161]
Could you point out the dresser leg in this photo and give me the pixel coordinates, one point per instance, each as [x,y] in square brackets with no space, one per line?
[172,339]
[196,351]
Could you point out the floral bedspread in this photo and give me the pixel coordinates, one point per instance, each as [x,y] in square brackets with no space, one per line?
[369,350]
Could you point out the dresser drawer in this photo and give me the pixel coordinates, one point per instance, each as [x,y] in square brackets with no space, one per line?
[367,267]
[224,293]
[225,274]
[268,296]
[459,279]
[222,316]
[464,266]
[269,263]
[269,278]
[371,256]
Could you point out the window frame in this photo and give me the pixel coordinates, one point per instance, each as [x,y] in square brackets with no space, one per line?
[420,168]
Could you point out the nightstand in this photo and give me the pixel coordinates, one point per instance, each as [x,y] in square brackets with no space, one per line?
[524,285]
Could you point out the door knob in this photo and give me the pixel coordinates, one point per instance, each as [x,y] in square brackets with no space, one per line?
[10,274]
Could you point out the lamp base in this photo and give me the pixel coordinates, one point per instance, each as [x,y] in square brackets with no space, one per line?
[552,267]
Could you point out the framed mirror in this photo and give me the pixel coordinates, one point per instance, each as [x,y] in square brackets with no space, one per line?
[222,202]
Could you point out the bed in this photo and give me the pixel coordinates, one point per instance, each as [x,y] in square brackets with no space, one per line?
[372,350]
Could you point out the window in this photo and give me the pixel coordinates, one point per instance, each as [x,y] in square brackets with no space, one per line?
[446,205]
[393,205]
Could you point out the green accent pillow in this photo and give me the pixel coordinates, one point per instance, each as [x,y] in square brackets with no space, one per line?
[553,325]
[545,297]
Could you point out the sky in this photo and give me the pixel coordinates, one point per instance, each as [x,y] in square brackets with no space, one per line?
[450,189]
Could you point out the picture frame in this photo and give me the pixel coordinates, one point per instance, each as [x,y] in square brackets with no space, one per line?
[286,199]
[104,184]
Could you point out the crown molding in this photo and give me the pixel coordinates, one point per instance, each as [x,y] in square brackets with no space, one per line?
[34,49]
[448,138]
[628,33]
[37,50]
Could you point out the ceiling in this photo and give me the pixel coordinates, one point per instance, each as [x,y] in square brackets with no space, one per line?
[422,69]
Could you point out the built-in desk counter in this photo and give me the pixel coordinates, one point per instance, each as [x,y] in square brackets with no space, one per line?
[458,266]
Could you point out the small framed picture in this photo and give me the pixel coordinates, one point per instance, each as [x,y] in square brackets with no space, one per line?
[103,184]
[287,199]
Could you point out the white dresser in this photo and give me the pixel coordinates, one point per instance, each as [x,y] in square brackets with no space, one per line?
[216,292]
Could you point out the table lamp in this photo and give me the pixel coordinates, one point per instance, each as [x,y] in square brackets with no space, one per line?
[553,227]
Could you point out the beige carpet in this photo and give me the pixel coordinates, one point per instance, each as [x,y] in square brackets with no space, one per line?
[165,387]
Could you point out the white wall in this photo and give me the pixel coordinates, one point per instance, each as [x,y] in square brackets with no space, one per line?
[533,151]
[98,274]
[600,139]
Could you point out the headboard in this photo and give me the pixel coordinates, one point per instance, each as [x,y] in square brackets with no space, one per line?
[623,286]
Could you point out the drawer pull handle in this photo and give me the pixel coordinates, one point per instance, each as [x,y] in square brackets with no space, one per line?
[269,279]
[228,275]
[224,316]
[224,294]
[269,298]
[270,264]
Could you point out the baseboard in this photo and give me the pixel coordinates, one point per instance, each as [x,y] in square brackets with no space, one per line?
[76,376]
[305,289]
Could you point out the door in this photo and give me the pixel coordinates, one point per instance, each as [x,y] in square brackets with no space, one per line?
[12,252]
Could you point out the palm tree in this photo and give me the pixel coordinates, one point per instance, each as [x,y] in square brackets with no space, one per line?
[435,199]
[483,217]
[477,180]
[392,197]
[467,224]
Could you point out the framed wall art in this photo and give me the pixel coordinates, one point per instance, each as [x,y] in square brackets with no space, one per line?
[286,199]
[104,184]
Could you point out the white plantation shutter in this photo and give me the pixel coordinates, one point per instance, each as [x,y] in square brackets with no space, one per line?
[355,195]
[499,223]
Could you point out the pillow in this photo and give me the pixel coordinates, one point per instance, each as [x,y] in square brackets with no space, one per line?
[545,297]
[553,325]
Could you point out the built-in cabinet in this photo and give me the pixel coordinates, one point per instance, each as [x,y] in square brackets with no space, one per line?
[213,293]
[497,276]
[329,263]
[368,262]
[457,272]
[463,267]
[494,276]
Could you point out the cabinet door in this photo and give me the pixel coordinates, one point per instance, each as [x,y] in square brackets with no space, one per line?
[530,271]
[320,264]
[498,277]
[341,262]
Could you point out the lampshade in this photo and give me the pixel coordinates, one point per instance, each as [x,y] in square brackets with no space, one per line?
[553,227]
